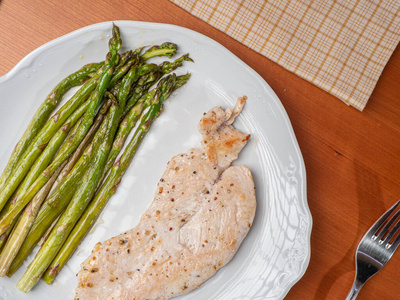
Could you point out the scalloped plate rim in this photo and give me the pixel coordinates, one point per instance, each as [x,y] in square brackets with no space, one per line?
[36,52]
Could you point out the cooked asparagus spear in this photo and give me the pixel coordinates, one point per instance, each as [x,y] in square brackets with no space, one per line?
[129,122]
[46,155]
[71,144]
[28,217]
[134,60]
[60,197]
[54,241]
[167,67]
[147,80]
[72,161]
[15,207]
[165,87]
[51,149]
[81,197]
[166,49]
[42,138]
[21,230]
[93,164]
[43,113]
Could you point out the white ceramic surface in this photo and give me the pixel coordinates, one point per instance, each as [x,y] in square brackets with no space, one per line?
[275,254]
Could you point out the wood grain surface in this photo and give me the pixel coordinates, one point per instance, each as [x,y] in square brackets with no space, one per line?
[352,158]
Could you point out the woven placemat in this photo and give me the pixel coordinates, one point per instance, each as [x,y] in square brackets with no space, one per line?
[340,46]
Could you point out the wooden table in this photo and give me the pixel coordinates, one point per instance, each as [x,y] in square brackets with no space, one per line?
[352,158]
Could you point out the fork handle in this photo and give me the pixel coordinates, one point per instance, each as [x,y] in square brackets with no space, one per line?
[355,289]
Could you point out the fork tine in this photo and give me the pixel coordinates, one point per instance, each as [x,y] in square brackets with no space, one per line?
[392,232]
[395,243]
[394,229]
[382,219]
[385,229]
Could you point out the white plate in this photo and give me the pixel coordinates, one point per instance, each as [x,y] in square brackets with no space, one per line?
[276,252]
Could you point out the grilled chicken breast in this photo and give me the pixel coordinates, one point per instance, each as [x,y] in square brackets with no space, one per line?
[202,210]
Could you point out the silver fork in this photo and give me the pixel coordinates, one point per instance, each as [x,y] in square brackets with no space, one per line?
[376,248]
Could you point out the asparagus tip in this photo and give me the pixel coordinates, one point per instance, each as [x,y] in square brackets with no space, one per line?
[166,49]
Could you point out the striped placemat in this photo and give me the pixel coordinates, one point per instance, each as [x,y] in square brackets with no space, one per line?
[342,46]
